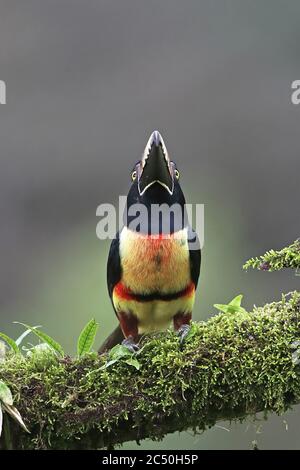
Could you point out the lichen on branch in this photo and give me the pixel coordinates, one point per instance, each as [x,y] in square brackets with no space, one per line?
[288,257]
[229,367]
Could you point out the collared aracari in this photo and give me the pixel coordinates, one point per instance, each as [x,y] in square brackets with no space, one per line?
[152,272]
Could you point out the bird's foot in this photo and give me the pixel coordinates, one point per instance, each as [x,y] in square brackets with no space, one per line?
[130,344]
[182,332]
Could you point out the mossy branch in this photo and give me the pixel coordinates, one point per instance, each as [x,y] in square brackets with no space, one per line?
[229,367]
[288,257]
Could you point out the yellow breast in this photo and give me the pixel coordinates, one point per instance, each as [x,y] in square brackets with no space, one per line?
[155,315]
[154,263]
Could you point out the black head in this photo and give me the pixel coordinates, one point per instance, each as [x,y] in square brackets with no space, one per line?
[155,181]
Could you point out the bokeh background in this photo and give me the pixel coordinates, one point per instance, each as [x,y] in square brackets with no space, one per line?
[87,81]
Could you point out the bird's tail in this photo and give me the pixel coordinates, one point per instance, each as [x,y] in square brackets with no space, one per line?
[116,337]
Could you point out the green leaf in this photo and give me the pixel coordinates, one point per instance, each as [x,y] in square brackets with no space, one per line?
[10,342]
[87,337]
[45,338]
[234,306]
[239,310]
[133,362]
[5,394]
[108,364]
[119,351]
[222,307]
[236,302]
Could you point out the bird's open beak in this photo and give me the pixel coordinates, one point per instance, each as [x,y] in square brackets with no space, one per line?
[156,167]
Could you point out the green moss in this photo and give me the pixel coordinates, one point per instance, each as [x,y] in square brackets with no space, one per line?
[288,257]
[229,367]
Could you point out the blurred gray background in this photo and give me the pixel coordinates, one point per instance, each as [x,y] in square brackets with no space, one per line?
[87,81]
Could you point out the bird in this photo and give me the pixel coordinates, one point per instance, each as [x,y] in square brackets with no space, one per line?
[154,260]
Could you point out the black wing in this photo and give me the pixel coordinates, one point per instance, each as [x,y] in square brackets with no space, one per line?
[195,255]
[113,265]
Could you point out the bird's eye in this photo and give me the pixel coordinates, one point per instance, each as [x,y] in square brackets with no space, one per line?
[177,174]
[133,175]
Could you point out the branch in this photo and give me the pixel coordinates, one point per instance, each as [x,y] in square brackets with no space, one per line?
[229,367]
[288,257]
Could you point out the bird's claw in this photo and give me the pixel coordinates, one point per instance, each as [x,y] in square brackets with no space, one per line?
[130,344]
[182,332]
